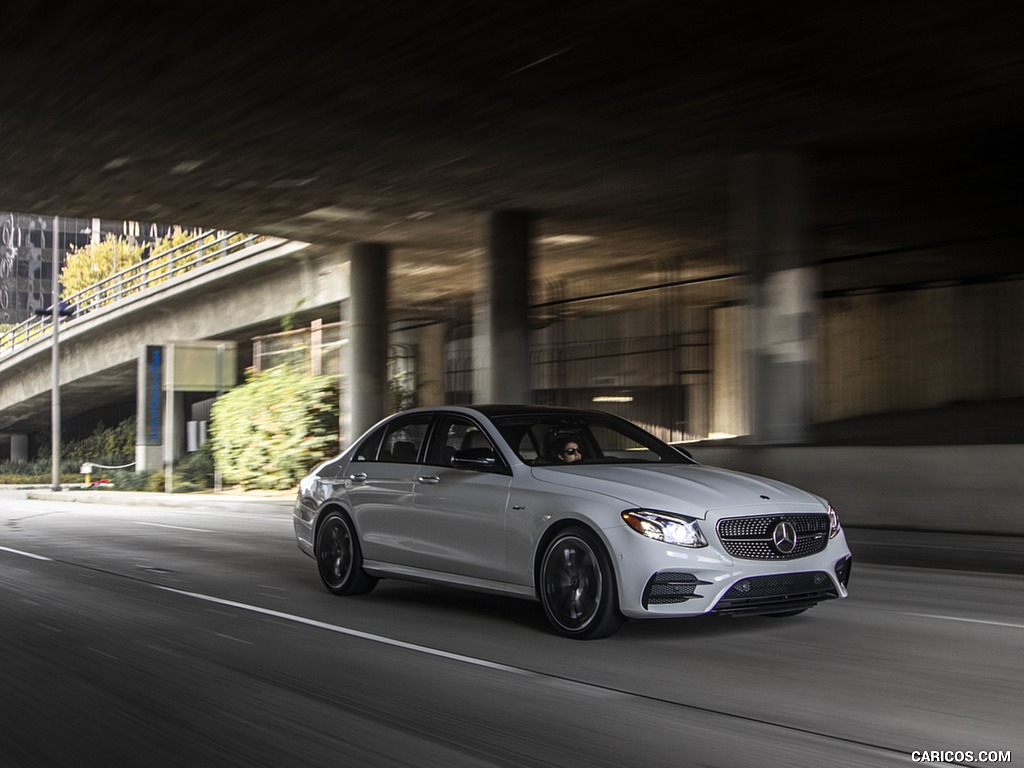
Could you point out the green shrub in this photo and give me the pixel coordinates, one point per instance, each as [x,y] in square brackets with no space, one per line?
[130,480]
[113,446]
[37,472]
[11,478]
[268,432]
[195,469]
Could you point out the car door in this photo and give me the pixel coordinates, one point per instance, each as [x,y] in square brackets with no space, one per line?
[381,479]
[461,499]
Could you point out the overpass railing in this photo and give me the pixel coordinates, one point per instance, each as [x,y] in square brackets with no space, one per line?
[207,246]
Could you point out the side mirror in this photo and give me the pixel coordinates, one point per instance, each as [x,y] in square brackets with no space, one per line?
[486,463]
[474,458]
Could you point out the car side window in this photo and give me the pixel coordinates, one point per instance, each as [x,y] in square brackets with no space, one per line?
[367,450]
[527,449]
[460,438]
[402,439]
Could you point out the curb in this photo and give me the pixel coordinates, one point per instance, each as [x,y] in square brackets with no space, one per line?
[176,500]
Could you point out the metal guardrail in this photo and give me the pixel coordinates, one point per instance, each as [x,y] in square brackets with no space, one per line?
[159,268]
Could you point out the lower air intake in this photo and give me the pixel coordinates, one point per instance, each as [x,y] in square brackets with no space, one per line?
[778,593]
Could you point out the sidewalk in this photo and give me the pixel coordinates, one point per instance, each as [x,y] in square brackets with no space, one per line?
[267,501]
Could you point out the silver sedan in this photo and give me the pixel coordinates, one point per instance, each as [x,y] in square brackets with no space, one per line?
[585,512]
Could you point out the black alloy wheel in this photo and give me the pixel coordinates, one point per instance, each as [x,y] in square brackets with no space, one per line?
[577,586]
[339,557]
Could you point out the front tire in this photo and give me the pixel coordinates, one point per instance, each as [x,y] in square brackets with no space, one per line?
[577,586]
[339,557]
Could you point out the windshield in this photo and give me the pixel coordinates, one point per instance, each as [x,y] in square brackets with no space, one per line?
[548,439]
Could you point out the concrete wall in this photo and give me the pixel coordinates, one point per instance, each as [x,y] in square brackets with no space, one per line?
[955,488]
[904,350]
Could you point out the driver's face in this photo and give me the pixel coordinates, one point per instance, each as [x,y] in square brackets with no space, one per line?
[571,452]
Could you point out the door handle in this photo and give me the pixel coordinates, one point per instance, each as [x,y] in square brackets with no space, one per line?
[430,479]
[358,477]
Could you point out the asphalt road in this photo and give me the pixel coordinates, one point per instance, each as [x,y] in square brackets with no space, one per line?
[144,635]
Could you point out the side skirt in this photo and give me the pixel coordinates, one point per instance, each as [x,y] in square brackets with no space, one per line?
[389,570]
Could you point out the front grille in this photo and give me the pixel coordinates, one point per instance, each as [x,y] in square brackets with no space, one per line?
[671,587]
[751,538]
[777,593]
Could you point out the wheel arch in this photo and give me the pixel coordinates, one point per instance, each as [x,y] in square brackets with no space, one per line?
[557,527]
[332,505]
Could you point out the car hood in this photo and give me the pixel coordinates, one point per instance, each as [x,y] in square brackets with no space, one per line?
[691,489]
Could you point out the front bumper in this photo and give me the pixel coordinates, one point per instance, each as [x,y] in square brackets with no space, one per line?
[658,580]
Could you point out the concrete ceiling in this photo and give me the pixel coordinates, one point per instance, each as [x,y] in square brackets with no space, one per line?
[617,123]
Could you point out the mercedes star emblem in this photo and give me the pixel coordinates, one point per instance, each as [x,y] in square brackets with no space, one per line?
[784,538]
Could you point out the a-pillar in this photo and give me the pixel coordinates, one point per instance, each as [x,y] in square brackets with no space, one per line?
[503,335]
[368,337]
[770,229]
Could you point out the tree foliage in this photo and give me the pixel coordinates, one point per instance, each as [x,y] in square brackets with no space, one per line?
[93,262]
[90,264]
[113,446]
[268,432]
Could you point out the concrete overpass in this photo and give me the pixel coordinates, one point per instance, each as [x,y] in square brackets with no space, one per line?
[620,125]
[230,299]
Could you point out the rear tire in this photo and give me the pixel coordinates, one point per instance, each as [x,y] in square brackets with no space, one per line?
[339,557]
[577,586]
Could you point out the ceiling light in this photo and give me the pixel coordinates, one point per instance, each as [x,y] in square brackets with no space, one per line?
[336,213]
[186,166]
[566,239]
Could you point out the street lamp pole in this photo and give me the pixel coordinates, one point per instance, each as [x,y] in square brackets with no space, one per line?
[55,357]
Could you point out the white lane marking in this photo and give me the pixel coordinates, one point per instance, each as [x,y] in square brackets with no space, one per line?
[352,632]
[176,527]
[969,621]
[229,637]
[330,627]
[26,554]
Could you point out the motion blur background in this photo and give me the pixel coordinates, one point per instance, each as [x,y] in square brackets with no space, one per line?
[758,226]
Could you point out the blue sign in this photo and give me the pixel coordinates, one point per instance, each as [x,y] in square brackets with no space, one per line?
[154,395]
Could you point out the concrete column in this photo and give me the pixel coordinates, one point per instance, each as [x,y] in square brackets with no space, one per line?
[771,234]
[503,338]
[368,336]
[430,365]
[19,447]
[150,409]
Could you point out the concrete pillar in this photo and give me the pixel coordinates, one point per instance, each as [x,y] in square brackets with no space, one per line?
[368,336]
[771,234]
[430,365]
[150,409]
[19,447]
[503,338]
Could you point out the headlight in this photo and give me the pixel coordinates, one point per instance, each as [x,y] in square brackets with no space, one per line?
[672,529]
[833,522]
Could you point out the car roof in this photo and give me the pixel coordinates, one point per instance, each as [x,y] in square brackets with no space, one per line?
[491,410]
